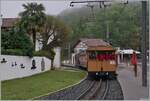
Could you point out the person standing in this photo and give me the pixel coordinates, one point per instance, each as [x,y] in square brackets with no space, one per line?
[134,62]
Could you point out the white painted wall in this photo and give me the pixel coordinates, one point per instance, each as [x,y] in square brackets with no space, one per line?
[8,72]
[73,58]
[57,58]
[81,46]
[38,45]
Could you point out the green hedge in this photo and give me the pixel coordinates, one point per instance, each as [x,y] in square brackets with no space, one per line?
[48,54]
[30,53]
[19,52]
[12,52]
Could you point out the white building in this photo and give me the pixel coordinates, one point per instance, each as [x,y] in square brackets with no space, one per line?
[125,53]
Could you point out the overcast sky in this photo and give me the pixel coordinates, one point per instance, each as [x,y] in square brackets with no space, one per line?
[11,8]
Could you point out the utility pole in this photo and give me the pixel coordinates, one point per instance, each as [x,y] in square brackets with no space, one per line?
[69,52]
[107,32]
[0,29]
[143,44]
[106,25]
[0,32]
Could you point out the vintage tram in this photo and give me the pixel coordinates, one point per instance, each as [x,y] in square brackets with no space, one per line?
[100,61]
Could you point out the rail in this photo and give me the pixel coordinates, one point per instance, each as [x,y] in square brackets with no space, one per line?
[106,90]
[89,93]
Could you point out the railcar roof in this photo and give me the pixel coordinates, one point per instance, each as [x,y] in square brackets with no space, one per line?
[101,48]
[90,42]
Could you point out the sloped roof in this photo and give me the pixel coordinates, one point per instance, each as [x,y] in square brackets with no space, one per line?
[92,42]
[95,42]
[9,22]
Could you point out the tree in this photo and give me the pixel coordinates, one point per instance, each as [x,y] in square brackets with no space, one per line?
[123,22]
[54,33]
[32,19]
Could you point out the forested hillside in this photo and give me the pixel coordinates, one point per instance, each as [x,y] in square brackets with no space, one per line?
[121,22]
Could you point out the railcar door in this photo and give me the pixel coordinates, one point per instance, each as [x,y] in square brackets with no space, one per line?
[106,61]
[92,61]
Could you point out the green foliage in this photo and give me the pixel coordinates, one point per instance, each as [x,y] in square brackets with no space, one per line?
[49,54]
[16,43]
[12,52]
[29,51]
[123,22]
[56,30]
[32,19]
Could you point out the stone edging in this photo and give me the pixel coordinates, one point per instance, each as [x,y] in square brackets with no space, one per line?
[61,88]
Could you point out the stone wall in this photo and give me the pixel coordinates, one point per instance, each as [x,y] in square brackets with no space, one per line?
[20,66]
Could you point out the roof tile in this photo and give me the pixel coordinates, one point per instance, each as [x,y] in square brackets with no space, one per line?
[8,22]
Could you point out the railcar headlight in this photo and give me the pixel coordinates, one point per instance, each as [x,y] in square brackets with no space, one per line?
[112,62]
[107,73]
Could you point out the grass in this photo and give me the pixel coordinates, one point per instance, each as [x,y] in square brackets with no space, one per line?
[36,85]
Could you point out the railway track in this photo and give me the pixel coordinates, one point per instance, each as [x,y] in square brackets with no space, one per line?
[88,90]
[104,90]
[91,91]
[101,93]
[97,90]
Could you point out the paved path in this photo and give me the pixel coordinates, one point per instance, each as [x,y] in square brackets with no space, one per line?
[131,85]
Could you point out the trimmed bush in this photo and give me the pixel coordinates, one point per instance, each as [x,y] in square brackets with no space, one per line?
[49,54]
[12,52]
[19,52]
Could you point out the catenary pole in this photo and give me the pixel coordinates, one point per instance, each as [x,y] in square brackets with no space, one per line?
[144,55]
[0,27]
[69,53]
[0,32]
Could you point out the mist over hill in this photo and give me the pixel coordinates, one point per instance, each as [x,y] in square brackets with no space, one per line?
[118,24]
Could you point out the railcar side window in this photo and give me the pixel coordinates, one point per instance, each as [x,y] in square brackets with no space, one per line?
[92,55]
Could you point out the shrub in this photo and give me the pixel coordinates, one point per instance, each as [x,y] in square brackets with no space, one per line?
[12,52]
[49,54]
[19,52]
[29,51]
[16,43]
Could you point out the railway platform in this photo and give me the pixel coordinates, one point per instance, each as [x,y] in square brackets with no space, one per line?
[131,85]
